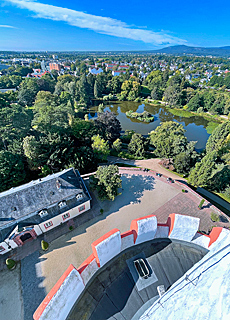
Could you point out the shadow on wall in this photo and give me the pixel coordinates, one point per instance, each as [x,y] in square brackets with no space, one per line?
[31,281]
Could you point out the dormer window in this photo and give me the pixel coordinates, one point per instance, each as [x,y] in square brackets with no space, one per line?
[43,213]
[79,196]
[62,204]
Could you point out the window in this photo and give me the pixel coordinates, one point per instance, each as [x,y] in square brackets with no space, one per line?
[65,216]
[48,224]
[79,196]
[62,204]
[81,208]
[1,249]
[43,213]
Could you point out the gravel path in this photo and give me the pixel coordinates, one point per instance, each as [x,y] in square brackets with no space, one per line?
[152,164]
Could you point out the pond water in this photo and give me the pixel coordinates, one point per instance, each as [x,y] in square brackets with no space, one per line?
[195,126]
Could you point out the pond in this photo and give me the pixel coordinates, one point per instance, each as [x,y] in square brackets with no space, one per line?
[196,126]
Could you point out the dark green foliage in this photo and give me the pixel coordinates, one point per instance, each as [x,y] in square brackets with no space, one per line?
[185,160]
[215,217]
[136,145]
[12,170]
[27,92]
[201,203]
[219,138]
[195,103]
[168,139]
[107,181]
[172,95]
[202,173]
[15,122]
[10,264]
[44,245]
[108,126]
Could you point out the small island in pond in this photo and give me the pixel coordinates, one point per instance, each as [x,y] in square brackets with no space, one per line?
[144,116]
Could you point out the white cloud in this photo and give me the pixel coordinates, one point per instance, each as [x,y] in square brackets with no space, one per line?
[6,26]
[104,25]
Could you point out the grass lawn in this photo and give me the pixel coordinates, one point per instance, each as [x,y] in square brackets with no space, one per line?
[223,196]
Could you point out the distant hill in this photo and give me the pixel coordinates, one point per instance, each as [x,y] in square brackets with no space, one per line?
[198,51]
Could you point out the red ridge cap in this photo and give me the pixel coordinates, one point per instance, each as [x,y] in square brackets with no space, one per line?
[214,234]
[101,239]
[85,263]
[134,225]
[126,233]
[170,222]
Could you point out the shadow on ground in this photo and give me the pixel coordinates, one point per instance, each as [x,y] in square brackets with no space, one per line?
[31,283]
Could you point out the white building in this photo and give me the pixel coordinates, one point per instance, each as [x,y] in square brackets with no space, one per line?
[34,208]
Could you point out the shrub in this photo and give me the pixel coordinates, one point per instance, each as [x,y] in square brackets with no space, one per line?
[11,264]
[183,190]
[101,211]
[44,245]
[215,217]
[70,228]
[201,203]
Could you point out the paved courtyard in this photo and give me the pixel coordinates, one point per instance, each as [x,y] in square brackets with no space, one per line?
[142,194]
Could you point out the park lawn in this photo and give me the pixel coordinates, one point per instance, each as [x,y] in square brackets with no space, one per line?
[223,196]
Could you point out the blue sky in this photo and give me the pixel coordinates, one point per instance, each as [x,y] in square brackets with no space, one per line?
[112,25]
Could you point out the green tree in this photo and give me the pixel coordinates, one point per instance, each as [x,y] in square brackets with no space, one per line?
[12,170]
[108,126]
[117,144]
[202,173]
[27,92]
[100,147]
[83,90]
[172,95]
[32,152]
[136,145]
[168,139]
[107,181]
[220,138]
[196,102]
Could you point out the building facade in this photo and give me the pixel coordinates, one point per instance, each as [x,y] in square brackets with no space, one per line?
[39,206]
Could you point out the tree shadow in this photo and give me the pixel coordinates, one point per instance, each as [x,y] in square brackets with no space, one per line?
[223,219]
[207,206]
[133,188]
[33,291]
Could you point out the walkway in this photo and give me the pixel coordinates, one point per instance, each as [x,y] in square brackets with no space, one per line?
[152,164]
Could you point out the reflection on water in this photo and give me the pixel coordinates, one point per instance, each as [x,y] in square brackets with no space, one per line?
[195,126]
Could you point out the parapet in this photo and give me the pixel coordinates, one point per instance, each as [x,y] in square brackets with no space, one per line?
[59,301]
